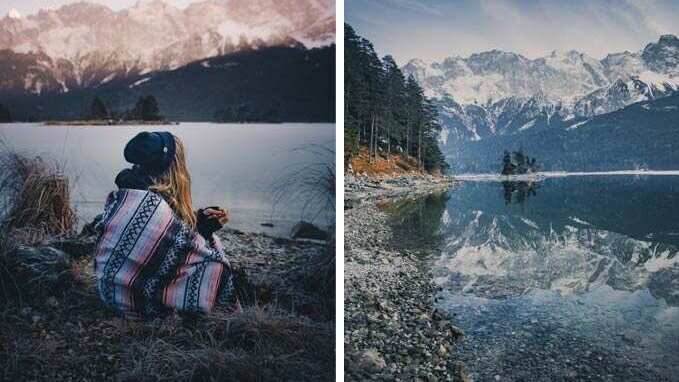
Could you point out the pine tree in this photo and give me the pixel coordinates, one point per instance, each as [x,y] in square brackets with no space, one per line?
[507,167]
[98,109]
[394,101]
[146,109]
[5,115]
[385,112]
[150,110]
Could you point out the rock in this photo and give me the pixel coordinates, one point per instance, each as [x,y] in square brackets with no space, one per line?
[456,332]
[306,230]
[442,350]
[372,359]
[46,261]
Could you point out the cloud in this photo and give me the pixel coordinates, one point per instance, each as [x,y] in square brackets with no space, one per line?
[659,17]
[435,29]
[426,7]
[501,10]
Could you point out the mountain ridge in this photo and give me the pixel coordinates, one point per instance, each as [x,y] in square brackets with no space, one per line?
[84,44]
[265,81]
[642,135]
[495,93]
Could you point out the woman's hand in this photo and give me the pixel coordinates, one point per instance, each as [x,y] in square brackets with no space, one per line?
[211,220]
[220,214]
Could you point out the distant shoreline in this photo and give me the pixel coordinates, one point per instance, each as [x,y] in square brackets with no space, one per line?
[139,122]
[559,174]
[99,122]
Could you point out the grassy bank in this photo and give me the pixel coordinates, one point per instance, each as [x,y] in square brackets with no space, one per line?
[53,326]
[383,166]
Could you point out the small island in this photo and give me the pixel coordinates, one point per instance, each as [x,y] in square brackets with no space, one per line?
[518,163]
[145,112]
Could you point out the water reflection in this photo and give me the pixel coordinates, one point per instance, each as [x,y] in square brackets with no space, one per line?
[416,222]
[577,281]
[576,234]
[518,192]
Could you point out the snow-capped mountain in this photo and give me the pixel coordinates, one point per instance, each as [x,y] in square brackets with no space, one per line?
[646,86]
[640,135]
[85,44]
[496,93]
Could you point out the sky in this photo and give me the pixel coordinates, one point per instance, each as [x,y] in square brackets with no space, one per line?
[27,7]
[434,29]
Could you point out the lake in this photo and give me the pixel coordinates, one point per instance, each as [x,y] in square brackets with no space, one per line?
[573,278]
[238,166]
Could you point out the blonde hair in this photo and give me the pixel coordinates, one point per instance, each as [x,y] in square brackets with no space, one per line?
[175,186]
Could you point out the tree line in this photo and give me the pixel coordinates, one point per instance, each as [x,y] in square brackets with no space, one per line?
[5,115]
[146,109]
[247,113]
[384,111]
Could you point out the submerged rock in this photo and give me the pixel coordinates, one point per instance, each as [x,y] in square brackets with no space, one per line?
[306,230]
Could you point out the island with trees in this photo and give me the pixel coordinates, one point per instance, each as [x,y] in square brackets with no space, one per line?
[518,163]
[145,112]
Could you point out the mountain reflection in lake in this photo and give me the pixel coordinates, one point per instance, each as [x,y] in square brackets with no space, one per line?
[579,281]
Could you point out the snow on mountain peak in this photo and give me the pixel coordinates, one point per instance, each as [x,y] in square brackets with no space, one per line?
[235,30]
[83,43]
[14,14]
[157,35]
[497,92]
[658,80]
[149,3]
[561,76]
[418,63]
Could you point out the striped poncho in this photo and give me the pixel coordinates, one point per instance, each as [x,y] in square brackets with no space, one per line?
[149,262]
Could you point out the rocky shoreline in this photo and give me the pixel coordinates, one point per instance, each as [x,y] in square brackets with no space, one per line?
[272,269]
[285,271]
[109,122]
[392,331]
[359,189]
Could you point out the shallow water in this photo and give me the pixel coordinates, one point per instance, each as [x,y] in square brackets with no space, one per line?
[572,278]
[235,166]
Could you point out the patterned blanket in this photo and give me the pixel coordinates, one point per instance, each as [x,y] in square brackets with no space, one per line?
[149,262]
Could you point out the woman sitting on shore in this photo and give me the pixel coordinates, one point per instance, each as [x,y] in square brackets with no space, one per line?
[155,255]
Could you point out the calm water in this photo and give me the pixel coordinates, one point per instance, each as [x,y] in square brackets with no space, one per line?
[566,279]
[235,166]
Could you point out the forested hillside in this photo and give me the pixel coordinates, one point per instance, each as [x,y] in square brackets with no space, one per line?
[276,84]
[640,136]
[384,111]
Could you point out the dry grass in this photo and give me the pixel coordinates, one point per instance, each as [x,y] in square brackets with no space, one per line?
[381,166]
[36,197]
[70,340]
[310,184]
[314,185]
[261,344]
[34,206]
